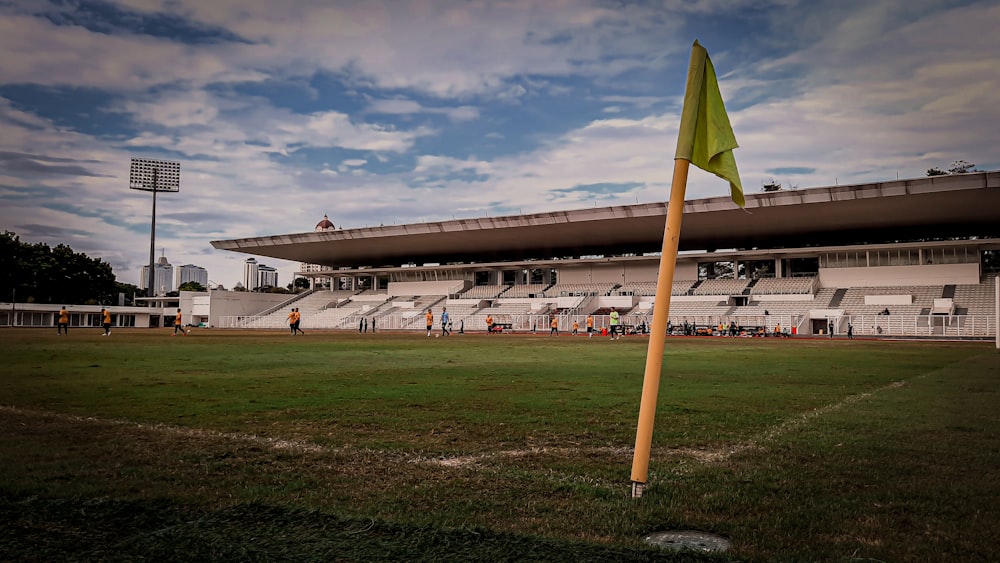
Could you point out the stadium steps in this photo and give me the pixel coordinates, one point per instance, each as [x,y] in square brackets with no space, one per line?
[693,287]
[838,296]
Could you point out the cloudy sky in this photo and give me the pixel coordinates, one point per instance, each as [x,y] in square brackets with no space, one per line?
[400,111]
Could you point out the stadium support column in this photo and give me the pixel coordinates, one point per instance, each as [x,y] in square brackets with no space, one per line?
[996,316]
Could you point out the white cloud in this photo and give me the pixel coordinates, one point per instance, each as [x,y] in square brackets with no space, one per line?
[857,92]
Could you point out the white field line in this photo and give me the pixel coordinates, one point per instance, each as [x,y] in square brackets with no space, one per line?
[706,456]
[717,455]
[720,455]
[264,442]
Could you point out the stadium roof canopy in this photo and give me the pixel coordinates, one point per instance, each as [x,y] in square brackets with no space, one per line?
[961,205]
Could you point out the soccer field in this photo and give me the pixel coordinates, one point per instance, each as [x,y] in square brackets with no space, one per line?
[341,446]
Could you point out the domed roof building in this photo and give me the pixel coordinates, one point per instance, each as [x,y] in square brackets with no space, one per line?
[325,225]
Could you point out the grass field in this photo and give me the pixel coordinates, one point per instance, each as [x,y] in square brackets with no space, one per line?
[258,446]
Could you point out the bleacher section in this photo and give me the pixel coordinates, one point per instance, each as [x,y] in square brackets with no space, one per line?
[564,289]
[526,290]
[636,288]
[484,291]
[344,314]
[720,287]
[784,286]
[679,287]
[911,307]
[976,299]
[922,300]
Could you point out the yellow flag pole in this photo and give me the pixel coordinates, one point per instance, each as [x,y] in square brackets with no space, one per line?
[706,140]
[658,329]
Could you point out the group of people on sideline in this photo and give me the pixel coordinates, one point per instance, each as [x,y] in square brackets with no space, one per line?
[614,330]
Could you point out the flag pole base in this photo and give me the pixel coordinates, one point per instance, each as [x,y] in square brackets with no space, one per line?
[637,489]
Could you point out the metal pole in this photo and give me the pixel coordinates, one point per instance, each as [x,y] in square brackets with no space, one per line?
[150,291]
[996,316]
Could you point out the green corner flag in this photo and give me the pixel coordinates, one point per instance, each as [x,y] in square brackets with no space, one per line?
[706,138]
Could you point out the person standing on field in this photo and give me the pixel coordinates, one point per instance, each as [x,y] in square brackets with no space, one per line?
[554,326]
[297,327]
[850,331]
[178,325]
[576,328]
[106,321]
[590,325]
[430,321]
[445,319]
[63,325]
[489,323]
[614,324]
[291,321]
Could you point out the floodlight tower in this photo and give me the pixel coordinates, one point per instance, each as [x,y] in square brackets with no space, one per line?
[154,176]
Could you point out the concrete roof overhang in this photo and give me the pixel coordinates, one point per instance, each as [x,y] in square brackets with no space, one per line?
[960,205]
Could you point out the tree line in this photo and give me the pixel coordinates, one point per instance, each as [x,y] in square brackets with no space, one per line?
[37,273]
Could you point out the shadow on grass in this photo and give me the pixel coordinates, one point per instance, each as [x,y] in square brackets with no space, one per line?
[41,529]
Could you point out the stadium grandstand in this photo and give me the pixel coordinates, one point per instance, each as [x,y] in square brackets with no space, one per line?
[913,257]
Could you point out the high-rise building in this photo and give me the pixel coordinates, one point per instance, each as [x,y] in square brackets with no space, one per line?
[191,273]
[267,276]
[256,276]
[250,274]
[163,277]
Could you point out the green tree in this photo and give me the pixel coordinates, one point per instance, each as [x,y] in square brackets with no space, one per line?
[191,286]
[957,167]
[129,290]
[961,167]
[36,273]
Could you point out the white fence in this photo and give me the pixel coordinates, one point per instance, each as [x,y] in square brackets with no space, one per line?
[945,326]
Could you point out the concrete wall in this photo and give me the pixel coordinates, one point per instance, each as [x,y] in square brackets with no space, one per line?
[894,276]
[592,273]
[240,303]
[621,273]
[687,270]
[443,287]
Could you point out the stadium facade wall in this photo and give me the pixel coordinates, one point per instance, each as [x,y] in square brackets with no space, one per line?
[890,276]
[620,273]
[442,287]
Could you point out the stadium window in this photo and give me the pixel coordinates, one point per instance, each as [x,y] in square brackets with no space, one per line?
[990,261]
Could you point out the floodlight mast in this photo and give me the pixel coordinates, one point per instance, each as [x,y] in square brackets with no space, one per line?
[154,176]
[151,274]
